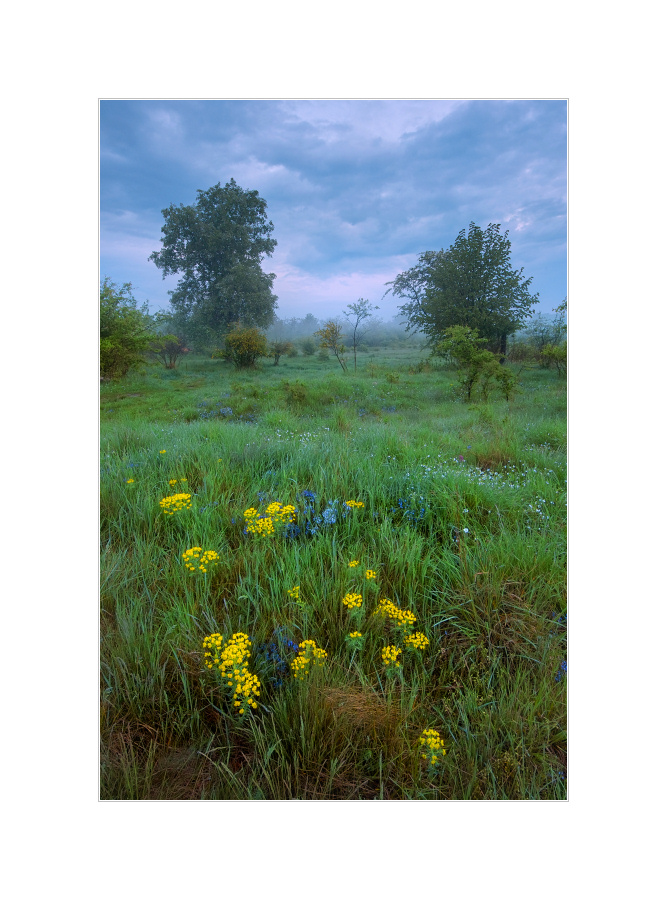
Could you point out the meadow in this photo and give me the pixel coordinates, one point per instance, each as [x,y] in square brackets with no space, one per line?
[356,591]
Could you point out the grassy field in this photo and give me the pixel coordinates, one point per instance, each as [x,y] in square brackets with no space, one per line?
[462,527]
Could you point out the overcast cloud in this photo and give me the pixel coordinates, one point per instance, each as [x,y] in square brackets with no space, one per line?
[356,189]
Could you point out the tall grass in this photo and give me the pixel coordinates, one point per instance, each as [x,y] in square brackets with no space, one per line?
[464,522]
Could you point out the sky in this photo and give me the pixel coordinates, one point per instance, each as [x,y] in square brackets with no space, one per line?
[356,189]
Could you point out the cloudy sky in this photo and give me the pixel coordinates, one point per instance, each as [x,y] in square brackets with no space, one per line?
[356,189]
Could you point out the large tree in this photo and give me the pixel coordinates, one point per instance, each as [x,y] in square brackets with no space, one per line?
[218,245]
[472,284]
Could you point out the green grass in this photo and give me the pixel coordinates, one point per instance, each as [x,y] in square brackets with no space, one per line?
[464,521]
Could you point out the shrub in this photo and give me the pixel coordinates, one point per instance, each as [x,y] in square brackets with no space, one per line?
[125,330]
[278,349]
[308,347]
[478,367]
[555,356]
[243,346]
[169,348]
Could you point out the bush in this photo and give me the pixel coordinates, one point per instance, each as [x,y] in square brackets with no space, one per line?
[125,330]
[555,356]
[279,348]
[169,348]
[243,346]
[308,347]
[478,367]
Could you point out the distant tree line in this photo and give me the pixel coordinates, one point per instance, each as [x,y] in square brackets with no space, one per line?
[224,304]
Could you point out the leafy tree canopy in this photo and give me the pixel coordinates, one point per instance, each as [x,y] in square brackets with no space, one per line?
[218,245]
[472,284]
[126,330]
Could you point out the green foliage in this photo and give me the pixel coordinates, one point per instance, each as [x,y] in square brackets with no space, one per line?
[470,284]
[308,346]
[330,335]
[218,245]
[126,330]
[276,349]
[464,524]
[169,348]
[243,346]
[478,367]
[555,356]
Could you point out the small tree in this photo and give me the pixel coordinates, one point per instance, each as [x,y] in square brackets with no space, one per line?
[358,313]
[278,349]
[555,356]
[308,347]
[243,346]
[169,348]
[125,330]
[330,335]
[477,365]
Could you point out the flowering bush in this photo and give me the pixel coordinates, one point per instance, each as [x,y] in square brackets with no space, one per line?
[175,503]
[198,560]
[231,662]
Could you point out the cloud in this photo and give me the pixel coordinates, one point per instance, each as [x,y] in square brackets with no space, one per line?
[352,186]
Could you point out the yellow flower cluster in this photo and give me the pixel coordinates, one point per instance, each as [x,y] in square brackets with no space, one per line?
[176,502]
[404,618]
[130,481]
[294,592]
[163,451]
[355,635]
[204,559]
[353,563]
[173,482]
[434,747]
[265,524]
[352,600]
[353,504]
[390,656]
[418,641]
[231,661]
[370,574]
[309,655]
